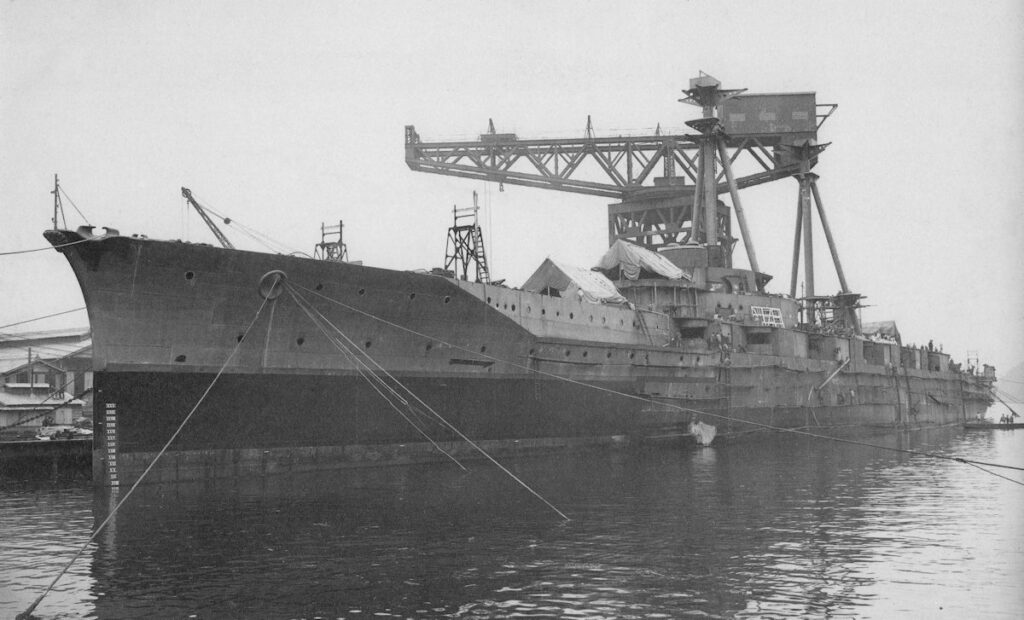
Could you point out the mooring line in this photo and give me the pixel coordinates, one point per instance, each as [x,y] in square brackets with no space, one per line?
[360,366]
[447,423]
[997,475]
[43,249]
[651,400]
[25,614]
[40,318]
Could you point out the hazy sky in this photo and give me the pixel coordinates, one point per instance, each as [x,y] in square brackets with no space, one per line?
[287,114]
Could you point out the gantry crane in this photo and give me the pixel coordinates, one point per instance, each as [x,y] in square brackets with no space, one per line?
[775,134]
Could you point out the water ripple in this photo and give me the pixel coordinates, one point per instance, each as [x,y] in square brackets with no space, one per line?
[782,528]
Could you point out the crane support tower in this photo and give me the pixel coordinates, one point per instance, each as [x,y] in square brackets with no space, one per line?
[667,186]
[466,244]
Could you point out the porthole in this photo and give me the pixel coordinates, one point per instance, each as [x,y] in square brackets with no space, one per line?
[319,286]
[632,355]
[604,320]
[568,352]
[190,275]
[412,296]
[513,307]
[584,354]
[180,358]
[608,355]
[571,315]
[300,340]
[533,351]
[543,311]
[483,349]
[447,299]
[529,309]
[488,300]
[362,291]
[558,313]
[239,337]
[506,306]
[429,346]
[591,318]
[367,344]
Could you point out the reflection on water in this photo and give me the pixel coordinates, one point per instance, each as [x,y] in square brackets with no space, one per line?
[779,527]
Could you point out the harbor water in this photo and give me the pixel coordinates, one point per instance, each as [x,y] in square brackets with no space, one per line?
[776,526]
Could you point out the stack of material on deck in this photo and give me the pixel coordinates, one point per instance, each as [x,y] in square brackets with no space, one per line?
[568,280]
[632,259]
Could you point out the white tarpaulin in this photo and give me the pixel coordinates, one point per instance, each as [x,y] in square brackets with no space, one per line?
[569,281]
[632,258]
[884,329]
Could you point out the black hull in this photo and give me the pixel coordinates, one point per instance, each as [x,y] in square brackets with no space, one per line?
[510,369]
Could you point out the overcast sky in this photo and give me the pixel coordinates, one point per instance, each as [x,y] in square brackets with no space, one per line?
[287,114]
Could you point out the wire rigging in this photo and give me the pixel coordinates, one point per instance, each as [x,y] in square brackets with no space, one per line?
[388,393]
[27,613]
[263,239]
[794,431]
[450,426]
[65,194]
[49,247]
[39,318]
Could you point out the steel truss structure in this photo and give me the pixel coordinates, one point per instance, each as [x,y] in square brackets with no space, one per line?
[667,186]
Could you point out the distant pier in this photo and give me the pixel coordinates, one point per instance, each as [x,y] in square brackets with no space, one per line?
[59,458]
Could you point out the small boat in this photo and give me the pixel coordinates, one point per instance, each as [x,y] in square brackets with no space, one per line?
[981,424]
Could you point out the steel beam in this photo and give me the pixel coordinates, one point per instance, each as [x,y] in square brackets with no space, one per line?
[748,243]
[805,201]
[796,246]
[828,233]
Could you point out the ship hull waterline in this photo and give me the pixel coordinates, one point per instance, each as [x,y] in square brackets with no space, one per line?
[511,370]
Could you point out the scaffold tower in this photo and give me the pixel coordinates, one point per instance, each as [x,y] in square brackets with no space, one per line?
[466,244]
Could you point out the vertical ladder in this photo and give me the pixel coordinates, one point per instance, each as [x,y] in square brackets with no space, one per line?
[466,244]
[478,252]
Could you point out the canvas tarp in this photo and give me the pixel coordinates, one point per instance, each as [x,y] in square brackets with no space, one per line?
[633,258]
[569,280]
[883,329]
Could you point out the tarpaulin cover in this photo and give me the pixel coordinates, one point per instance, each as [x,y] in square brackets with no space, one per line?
[886,329]
[570,280]
[632,258]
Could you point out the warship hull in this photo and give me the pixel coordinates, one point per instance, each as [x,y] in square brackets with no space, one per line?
[280,364]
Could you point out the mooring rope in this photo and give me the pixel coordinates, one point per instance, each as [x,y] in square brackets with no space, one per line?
[25,614]
[49,247]
[45,316]
[453,428]
[375,382]
[644,399]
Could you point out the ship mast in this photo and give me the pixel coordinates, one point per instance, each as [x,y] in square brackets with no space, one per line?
[58,206]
